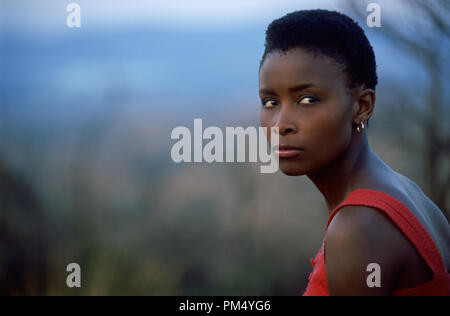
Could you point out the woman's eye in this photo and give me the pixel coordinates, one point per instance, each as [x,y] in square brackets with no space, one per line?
[308,100]
[269,103]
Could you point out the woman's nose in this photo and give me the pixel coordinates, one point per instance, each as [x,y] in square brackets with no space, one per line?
[287,129]
[285,124]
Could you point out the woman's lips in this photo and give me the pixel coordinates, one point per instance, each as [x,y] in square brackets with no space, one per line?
[288,151]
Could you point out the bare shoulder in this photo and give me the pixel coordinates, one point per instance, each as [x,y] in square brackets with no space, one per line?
[357,237]
[429,215]
[406,191]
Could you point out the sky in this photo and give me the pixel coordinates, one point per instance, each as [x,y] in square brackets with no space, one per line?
[47,15]
[195,55]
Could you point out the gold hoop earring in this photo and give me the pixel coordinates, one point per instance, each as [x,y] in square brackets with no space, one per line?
[360,127]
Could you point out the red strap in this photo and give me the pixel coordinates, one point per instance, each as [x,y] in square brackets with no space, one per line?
[403,218]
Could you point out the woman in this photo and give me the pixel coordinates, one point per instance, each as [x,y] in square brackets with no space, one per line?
[317,82]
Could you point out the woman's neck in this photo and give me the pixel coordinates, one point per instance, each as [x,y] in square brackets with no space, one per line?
[336,180]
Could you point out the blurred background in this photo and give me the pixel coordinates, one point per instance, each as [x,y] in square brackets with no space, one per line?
[85,119]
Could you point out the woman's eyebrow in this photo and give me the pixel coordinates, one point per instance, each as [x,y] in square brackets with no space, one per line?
[267,91]
[300,87]
[295,88]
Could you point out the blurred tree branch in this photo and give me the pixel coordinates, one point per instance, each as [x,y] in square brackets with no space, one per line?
[23,252]
[438,21]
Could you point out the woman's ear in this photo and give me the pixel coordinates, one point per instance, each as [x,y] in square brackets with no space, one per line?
[365,103]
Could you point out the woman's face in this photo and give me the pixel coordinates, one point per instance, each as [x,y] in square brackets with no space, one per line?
[307,98]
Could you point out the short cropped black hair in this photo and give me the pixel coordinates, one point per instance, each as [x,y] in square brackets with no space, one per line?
[327,33]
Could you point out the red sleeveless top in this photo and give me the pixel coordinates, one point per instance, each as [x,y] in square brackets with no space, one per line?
[410,226]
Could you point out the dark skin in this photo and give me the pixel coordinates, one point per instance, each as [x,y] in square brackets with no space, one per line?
[308,98]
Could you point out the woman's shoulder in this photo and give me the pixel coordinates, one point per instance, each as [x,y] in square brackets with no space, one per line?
[366,225]
[357,237]
[400,195]
[399,191]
